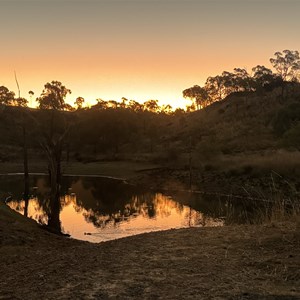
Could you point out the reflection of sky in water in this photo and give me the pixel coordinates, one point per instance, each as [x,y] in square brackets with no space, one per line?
[77,222]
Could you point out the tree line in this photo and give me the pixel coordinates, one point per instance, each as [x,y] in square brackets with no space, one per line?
[286,65]
[54,95]
[216,88]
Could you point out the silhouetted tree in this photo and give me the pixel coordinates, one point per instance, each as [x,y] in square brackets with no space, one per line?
[113,104]
[216,87]
[262,76]
[79,102]
[19,102]
[135,106]
[6,97]
[151,105]
[242,80]
[124,102]
[53,96]
[198,95]
[31,93]
[54,133]
[101,104]
[166,109]
[287,64]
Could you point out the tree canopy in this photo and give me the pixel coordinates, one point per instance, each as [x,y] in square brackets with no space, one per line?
[53,96]
[216,88]
[6,96]
[287,64]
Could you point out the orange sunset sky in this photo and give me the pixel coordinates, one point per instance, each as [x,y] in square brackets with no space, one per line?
[140,50]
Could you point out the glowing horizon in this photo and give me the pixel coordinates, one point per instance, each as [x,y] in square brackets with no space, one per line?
[139,50]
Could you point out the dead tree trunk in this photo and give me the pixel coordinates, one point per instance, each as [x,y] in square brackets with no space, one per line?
[54,152]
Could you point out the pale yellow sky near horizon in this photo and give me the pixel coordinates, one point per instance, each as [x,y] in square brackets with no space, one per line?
[140,50]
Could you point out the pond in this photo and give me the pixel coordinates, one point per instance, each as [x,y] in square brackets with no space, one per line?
[99,209]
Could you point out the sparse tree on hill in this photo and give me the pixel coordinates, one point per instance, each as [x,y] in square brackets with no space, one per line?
[262,75]
[124,102]
[31,93]
[79,102]
[53,96]
[101,104]
[242,80]
[6,97]
[151,105]
[287,64]
[166,109]
[134,105]
[113,104]
[20,101]
[198,95]
[216,87]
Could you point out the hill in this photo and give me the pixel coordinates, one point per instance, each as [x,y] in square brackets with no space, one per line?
[248,134]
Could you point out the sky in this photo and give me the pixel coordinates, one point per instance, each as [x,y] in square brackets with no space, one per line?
[142,49]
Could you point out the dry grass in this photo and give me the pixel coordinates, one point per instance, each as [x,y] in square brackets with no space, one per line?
[275,209]
[234,262]
[282,162]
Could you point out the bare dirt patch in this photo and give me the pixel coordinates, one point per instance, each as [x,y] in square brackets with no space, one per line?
[234,262]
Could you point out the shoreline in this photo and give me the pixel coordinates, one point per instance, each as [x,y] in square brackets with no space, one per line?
[251,262]
[232,262]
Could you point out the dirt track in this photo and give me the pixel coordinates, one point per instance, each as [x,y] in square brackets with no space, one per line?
[240,262]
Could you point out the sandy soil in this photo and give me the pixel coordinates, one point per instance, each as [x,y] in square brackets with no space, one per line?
[238,262]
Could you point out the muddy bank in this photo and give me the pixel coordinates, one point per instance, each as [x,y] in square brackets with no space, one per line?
[240,262]
[243,181]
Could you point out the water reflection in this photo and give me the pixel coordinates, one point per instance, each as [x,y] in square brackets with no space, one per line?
[100,209]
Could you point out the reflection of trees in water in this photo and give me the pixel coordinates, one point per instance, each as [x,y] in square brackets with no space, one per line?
[53,208]
[35,210]
[147,205]
[105,202]
[38,199]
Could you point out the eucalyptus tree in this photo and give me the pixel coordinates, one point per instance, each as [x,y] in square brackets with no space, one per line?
[135,106]
[53,96]
[124,102]
[113,104]
[262,75]
[198,95]
[166,109]
[151,105]
[6,96]
[54,129]
[217,86]
[242,80]
[79,102]
[287,64]
[101,104]
[264,78]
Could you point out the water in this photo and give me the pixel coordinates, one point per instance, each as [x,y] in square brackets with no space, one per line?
[100,209]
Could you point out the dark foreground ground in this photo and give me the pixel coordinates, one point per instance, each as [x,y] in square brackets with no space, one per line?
[238,262]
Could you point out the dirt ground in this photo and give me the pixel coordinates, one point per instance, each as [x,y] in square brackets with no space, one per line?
[234,262]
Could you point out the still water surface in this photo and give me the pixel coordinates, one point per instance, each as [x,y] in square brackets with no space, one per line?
[99,209]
